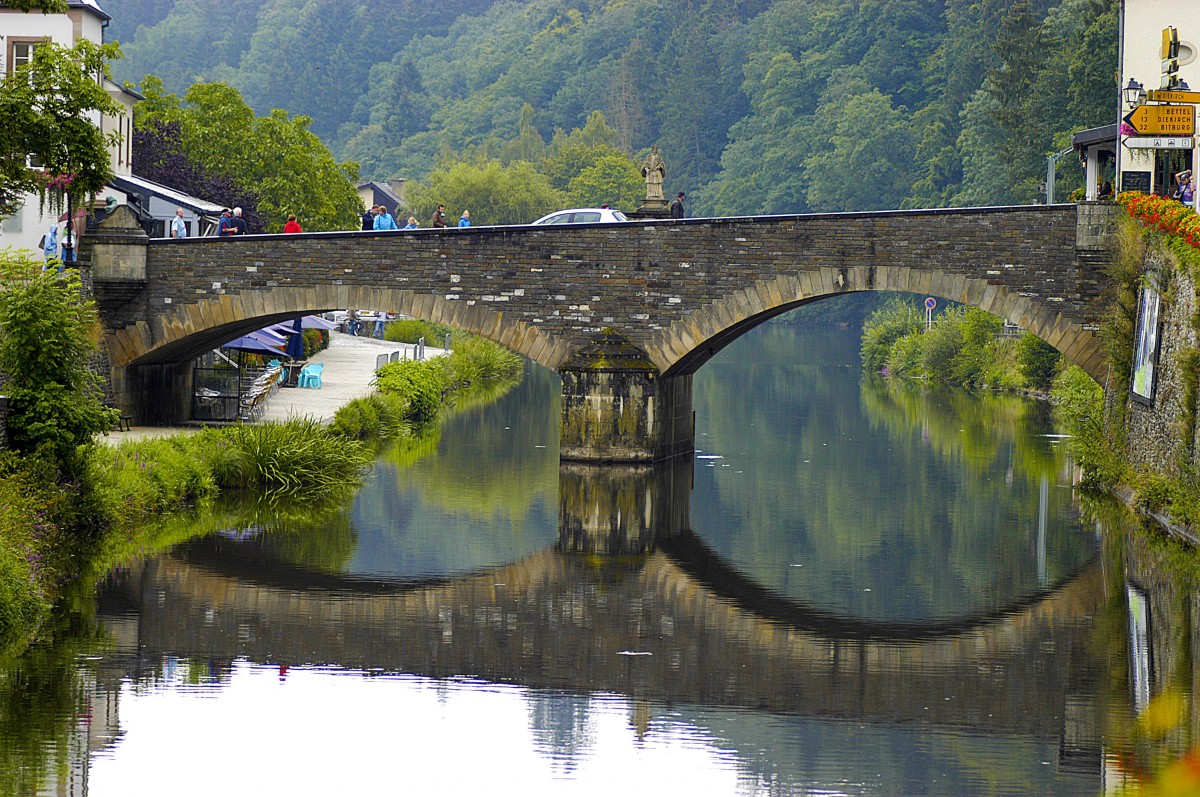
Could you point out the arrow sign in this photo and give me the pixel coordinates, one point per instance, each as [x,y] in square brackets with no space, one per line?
[1163,120]
[1158,95]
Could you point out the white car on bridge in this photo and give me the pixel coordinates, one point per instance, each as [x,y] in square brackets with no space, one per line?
[583,216]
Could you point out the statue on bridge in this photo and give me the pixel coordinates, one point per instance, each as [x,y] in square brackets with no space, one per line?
[654,206]
[655,171]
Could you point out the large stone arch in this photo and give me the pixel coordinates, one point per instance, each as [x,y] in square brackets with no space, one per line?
[184,331]
[688,343]
[771,663]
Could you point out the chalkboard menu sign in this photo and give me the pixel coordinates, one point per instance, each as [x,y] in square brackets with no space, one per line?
[1135,181]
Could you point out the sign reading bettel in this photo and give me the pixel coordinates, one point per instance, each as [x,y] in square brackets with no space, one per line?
[1163,120]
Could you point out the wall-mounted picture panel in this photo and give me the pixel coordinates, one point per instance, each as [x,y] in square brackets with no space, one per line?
[1145,354]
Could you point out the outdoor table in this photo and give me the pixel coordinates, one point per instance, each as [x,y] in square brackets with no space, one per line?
[291,373]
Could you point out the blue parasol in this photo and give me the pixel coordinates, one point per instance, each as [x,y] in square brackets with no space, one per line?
[253,344]
[316,322]
[295,342]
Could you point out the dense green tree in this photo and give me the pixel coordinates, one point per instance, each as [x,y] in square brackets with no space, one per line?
[861,167]
[47,111]
[196,40]
[46,6]
[276,156]
[623,102]
[761,169]
[698,102]
[1092,88]
[613,179]
[494,193]
[528,146]
[1021,48]
[984,178]
[158,156]
[569,154]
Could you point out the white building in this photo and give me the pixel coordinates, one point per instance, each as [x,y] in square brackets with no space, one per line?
[20,32]
[1151,165]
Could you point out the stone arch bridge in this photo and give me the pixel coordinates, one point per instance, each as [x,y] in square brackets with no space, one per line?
[624,312]
[555,620]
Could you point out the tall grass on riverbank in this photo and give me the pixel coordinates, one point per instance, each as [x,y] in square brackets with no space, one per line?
[42,542]
[290,464]
[25,532]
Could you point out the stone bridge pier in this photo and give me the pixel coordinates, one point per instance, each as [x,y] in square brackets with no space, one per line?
[624,313]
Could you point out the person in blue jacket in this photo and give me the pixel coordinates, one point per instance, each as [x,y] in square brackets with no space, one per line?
[412,224]
[465,221]
[384,220]
[50,242]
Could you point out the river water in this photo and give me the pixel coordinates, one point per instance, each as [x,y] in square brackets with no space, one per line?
[857,587]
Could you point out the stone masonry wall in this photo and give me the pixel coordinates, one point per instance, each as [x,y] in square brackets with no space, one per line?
[1153,429]
[640,279]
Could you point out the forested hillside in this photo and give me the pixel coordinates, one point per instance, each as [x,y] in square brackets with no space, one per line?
[759,106]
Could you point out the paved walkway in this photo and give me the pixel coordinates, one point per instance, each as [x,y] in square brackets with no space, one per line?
[349,368]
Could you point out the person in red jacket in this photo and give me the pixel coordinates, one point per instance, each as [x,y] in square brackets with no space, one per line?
[292,225]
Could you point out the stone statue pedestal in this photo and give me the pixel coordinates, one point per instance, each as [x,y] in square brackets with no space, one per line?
[651,209]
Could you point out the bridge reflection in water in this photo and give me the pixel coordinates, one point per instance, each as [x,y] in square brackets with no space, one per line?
[627,575]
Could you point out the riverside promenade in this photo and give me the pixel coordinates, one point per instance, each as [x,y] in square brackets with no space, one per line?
[349,370]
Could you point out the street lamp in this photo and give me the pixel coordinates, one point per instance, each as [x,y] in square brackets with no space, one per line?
[1134,92]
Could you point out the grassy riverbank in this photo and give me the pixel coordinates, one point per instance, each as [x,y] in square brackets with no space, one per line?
[53,532]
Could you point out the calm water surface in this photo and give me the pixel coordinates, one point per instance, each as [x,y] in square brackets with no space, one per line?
[855,588]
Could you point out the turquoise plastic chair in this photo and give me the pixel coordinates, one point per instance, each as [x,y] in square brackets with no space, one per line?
[310,375]
[273,363]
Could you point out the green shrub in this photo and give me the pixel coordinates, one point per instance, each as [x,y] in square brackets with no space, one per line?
[1080,408]
[885,326]
[422,383]
[315,340]
[905,356]
[976,354]
[410,330]
[46,338]
[382,416]
[1001,371]
[476,361]
[1037,361]
[942,345]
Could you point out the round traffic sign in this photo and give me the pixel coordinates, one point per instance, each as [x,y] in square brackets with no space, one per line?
[930,303]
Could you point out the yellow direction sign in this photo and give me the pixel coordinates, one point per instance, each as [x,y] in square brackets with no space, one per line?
[1163,120]
[1158,95]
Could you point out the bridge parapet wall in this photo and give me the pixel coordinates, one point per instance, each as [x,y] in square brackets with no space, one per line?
[641,279]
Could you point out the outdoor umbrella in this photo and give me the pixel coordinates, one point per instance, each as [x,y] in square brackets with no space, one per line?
[295,342]
[251,343]
[316,322]
[308,322]
[269,335]
[256,343]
